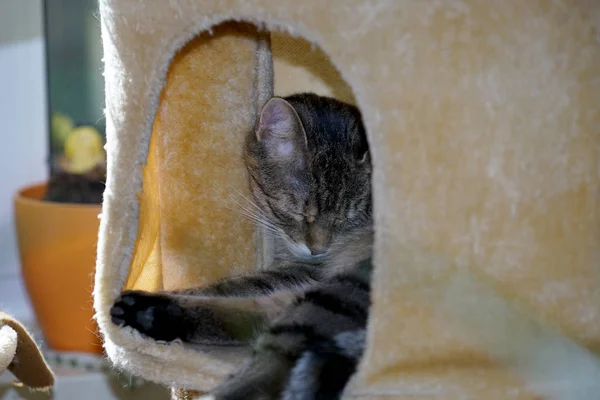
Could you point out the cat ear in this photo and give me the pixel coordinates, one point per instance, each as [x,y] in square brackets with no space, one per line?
[280,131]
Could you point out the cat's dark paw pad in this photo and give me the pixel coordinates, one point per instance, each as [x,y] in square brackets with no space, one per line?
[153,315]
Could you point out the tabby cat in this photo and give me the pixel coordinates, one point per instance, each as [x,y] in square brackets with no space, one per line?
[310,178]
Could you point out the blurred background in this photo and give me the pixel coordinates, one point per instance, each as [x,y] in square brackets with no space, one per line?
[52,170]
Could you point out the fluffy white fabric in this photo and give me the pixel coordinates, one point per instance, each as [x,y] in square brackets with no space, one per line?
[8,346]
[483,123]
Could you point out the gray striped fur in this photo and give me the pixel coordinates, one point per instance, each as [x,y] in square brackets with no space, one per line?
[310,178]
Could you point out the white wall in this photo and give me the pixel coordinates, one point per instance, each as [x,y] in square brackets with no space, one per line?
[23,137]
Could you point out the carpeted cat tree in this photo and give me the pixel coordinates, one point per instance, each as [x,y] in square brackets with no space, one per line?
[484,124]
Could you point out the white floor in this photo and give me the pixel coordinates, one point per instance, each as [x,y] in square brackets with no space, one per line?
[91,377]
[89,386]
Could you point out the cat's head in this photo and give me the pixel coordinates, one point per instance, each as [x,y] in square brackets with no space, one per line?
[310,171]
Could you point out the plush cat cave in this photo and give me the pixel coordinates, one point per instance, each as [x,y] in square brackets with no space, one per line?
[484,125]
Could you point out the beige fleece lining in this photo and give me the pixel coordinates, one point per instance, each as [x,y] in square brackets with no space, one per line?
[483,122]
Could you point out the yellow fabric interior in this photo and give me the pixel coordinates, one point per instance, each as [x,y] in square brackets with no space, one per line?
[188,236]
[190,231]
[300,66]
[146,268]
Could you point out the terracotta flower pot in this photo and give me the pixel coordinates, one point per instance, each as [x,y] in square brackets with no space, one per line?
[57,243]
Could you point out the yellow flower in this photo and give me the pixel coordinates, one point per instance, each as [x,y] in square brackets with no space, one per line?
[83,149]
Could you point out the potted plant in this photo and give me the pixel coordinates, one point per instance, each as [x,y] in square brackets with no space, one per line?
[57,221]
[57,227]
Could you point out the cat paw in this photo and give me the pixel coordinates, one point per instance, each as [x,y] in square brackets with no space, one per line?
[152,315]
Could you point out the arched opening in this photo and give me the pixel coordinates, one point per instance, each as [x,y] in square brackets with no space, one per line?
[190,232]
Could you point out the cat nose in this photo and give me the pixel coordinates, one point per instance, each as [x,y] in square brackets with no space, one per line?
[316,249]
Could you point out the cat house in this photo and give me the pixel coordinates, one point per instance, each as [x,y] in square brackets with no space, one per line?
[483,121]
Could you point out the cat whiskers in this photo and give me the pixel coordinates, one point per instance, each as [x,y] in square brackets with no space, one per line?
[256,215]
[247,199]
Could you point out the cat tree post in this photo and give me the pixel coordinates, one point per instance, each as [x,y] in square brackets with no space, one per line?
[483,123]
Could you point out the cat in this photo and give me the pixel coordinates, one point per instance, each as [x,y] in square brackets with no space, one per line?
[310,177]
